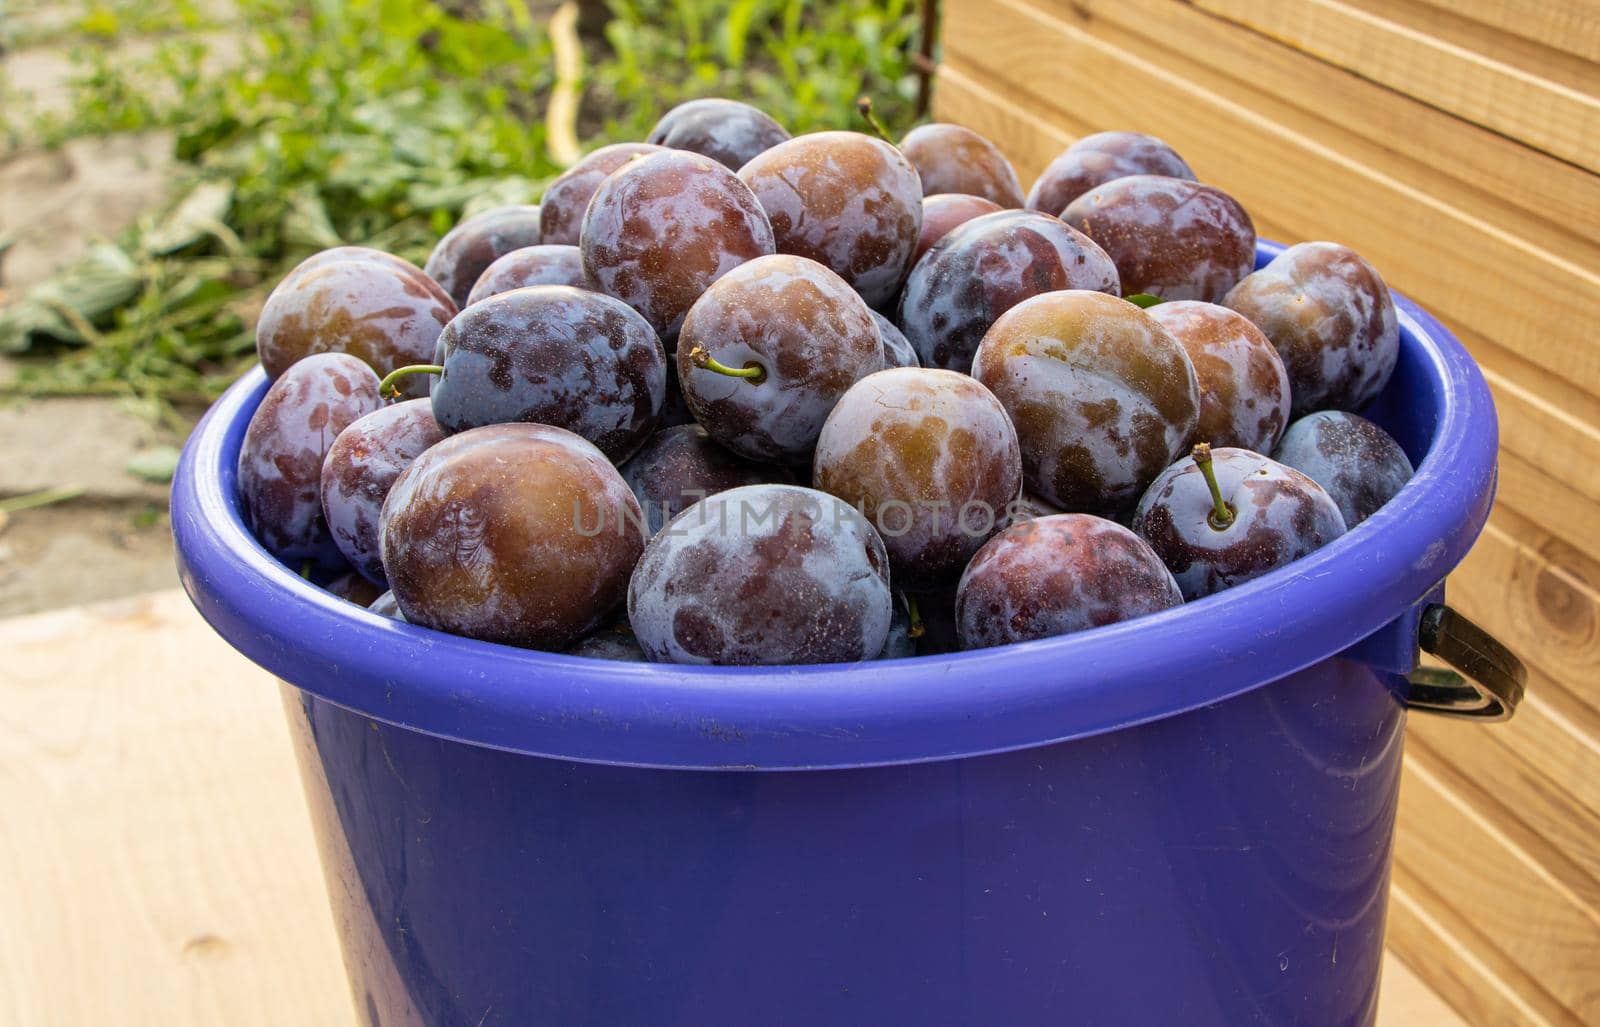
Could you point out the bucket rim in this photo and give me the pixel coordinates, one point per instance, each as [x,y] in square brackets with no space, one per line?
[839,716]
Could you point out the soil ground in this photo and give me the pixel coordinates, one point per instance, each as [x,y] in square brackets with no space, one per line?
[114,539]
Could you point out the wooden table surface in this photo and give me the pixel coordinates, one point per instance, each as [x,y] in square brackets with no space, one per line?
[156,846]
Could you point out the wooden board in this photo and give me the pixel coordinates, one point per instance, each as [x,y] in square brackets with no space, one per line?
[1458,153]
[170,873]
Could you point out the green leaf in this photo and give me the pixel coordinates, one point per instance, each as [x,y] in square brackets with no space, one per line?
[103,280]
[1143,299]
[157,464]
[196,217]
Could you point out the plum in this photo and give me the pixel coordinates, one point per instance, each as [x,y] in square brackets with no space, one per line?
[367,253]
[565,200]
[280,459]
[984,268]
[769,349]
[1356,462]
[1103,397]
[1218,519]
[943,212]
[1244,390]
[1097,159]
[386,606]
[954,159]
[555,355]
[727,131]
[468,249]
[763,574]
[1169,237]
[930,458]
[375,311]
[355,588]
[845,200]
[1056,575]
[516,533]
[897,350]
[682,465]
[663,227]
[531,265]
[1332,320]
[614,643]
[360,467]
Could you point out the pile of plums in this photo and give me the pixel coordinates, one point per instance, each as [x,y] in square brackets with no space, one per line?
[735,397]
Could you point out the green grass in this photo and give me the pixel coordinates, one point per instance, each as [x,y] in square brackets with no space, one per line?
[378,122]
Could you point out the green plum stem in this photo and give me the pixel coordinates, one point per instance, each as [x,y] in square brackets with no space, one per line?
[1221,515]
[864,107]
[917,627]
[1143,300]
[752,372]
[389,389]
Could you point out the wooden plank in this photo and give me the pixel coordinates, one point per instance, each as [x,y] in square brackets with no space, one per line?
[1542,595]
[158,848]
[1540,59]
[1571,25]
[1552,117]
[1542,818]
[1297,180]
[1527,193]
[1461,965]
[1472,864]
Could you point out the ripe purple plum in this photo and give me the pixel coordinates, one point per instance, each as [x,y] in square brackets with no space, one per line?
[280,460]
[1356,462]
[1056,575]
[468,249]
[373,310]
[930,458]
[614,643]
[845,200]
[387,606]
[663,227]
[552,354]
[984,268]
[1332,319]
[1169,237]
[727,131]
[531,265]
[763,574]
[942,213]
[522,534]
[953,159]
[354,588]
[1244,390]
[367,253]
[1218,519]
[901,642]
[359,470]
[897,349]
[1097,159]
[682,465]
[767,352]
[565,200]
[1103,397]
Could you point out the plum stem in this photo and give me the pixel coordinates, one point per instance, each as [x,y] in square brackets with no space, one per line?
[389,389]
[864,106]
[753,372]
[917,627]
[1221,516]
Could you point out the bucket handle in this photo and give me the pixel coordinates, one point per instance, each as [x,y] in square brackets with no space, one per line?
[1487,680]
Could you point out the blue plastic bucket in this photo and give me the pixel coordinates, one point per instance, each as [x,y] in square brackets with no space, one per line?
[1183,819]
